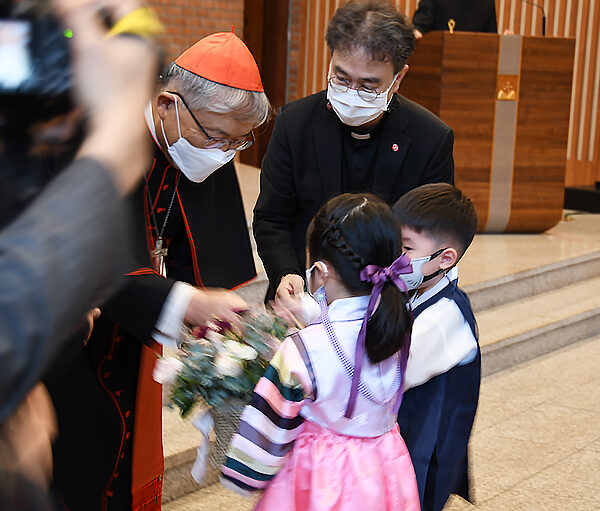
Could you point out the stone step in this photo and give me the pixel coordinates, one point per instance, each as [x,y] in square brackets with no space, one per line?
[524,284]
[180,440]
[529,327]
[520,317]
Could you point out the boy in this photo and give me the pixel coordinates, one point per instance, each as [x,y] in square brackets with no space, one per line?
[444,366]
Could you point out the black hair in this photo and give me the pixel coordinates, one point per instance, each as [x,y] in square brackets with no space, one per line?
[440,211]
[350,232]
[375,27]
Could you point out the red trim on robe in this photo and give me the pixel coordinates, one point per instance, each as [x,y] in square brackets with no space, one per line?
[192,245]
[144,271]
[148,462]
[105,493]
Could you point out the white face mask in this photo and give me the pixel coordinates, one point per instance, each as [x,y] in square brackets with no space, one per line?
[318,264]
[355,111]
[196,163]
[415,278]
[310,310]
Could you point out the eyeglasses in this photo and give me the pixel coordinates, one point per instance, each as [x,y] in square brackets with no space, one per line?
[239,144]
[339,84]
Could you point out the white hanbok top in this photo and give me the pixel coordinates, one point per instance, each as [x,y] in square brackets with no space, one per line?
[441,338]
[370,417]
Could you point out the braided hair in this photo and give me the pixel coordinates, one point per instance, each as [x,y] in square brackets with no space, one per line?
[350,232]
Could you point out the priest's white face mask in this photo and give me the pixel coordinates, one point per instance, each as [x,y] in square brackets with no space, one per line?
[355,107]
[195,163]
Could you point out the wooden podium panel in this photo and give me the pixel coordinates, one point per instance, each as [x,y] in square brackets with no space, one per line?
[508,100]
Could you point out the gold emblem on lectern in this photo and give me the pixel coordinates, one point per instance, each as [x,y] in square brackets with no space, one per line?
[507,93]
[451,25]
[507,88]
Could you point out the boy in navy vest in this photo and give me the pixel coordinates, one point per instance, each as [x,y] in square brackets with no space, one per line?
[444,366]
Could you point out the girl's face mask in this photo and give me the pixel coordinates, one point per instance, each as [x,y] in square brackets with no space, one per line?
[310,310]
[323,268]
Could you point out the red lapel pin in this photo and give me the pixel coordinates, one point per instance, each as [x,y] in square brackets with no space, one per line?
[395,147]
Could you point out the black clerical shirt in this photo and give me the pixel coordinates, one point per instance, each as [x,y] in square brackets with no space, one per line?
[359,157]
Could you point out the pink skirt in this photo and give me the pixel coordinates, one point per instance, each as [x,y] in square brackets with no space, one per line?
[327,471]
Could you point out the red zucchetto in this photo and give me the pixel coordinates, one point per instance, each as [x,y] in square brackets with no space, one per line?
[223,58]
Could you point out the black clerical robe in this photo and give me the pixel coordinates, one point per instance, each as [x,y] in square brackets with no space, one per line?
[109,452]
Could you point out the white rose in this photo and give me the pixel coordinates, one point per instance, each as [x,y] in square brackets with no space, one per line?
[166,370]
[228,365]
[239,350]
[215,338]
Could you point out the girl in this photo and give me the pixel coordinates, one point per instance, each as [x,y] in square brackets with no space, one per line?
[320,432]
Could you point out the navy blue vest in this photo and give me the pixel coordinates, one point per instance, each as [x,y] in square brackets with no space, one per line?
[436,418]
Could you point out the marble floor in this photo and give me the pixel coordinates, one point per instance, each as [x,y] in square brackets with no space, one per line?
[535,445]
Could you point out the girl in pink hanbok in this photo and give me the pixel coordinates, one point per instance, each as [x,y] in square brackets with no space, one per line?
[320,432]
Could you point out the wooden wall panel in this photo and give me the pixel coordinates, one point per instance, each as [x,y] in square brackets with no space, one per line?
[428,83]
[468,103]
[565,18]
[541,135]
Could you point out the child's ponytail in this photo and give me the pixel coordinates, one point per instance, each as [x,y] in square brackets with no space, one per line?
[388,328]
[350,232]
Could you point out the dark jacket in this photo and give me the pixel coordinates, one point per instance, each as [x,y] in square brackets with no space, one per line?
[303,165]
[436,419]
[469,15]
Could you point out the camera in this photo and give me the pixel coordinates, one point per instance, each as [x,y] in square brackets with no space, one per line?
[35,74]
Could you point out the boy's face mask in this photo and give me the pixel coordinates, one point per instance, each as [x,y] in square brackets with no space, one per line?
[415,278]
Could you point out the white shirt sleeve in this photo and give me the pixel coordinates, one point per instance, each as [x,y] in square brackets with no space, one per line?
[167,330]
[441,339]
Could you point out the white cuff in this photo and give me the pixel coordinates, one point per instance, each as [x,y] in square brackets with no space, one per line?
[168,327]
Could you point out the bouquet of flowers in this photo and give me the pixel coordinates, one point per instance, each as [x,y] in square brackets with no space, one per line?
[216,363]
[218,367]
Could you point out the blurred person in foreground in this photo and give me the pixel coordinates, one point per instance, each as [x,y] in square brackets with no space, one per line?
[56,258]
[188,226]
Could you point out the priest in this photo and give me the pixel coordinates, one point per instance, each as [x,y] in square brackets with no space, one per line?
[190,233]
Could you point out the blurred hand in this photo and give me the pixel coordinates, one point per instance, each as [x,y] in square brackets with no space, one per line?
[290,287]
[508,31]
[214,305]
[418,34]
[113,81]
[90,317]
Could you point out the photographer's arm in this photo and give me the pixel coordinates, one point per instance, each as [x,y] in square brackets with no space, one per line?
[63,255]
[55,267]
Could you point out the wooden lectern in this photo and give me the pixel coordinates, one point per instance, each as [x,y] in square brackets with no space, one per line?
[508,100]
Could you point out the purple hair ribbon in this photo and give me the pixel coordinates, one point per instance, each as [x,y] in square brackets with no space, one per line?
[377,276]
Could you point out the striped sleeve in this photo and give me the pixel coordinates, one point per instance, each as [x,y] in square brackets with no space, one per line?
[271,422]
